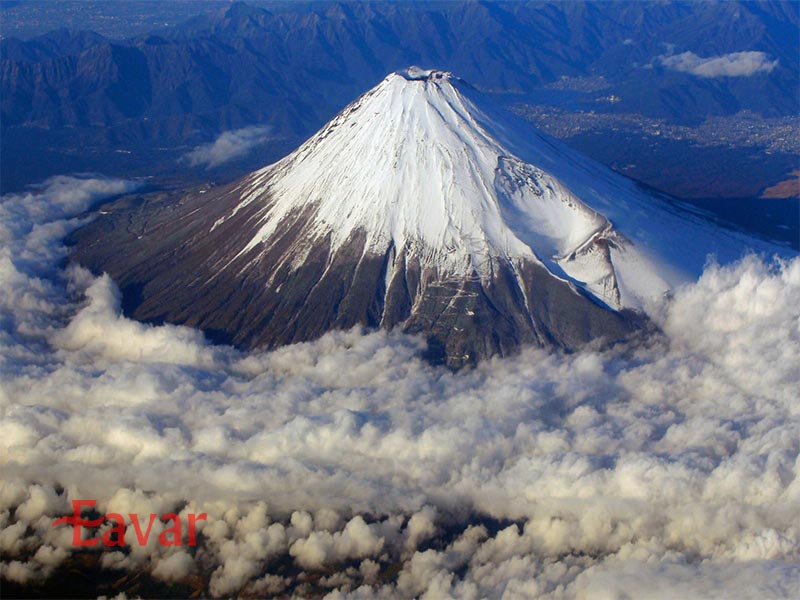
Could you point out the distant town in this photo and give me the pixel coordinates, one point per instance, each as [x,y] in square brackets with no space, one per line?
[742,130]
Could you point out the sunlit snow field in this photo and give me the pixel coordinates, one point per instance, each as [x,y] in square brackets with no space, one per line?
[666,470]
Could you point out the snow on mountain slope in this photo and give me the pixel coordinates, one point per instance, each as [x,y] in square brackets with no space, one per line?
[423,162]
[423,207]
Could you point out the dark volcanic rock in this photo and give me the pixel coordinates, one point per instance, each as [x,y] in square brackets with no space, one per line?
[167,263]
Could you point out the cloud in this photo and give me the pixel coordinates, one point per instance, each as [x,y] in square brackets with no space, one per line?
[668,580]
[37,217]
[228,146]
[101,332]
[348,466]
[735,64]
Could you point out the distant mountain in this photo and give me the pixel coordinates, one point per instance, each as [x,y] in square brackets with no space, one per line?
[293,66]
[422,206]
[241,65]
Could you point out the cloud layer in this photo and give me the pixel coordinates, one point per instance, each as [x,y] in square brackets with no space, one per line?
[349,466]
[228,146]
[735,64]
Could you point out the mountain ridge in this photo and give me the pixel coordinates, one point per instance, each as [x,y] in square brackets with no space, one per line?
[79,102]
[420,206]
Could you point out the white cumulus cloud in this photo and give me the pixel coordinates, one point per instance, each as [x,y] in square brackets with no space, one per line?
[735,64]
[228,146]
[350,467]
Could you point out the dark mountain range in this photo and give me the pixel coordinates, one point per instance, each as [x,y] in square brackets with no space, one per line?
[229,62]
[78,101]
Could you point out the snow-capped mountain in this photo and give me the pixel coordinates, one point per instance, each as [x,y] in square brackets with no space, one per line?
[420,206]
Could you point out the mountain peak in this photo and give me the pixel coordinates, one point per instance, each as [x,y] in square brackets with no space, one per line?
[438,171]
[416,168]
[424,206]
[405,165]
[240,10]
[414,73]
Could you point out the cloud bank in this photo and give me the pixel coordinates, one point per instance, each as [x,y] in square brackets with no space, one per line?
[735,64]
[350,467]
[228,146]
